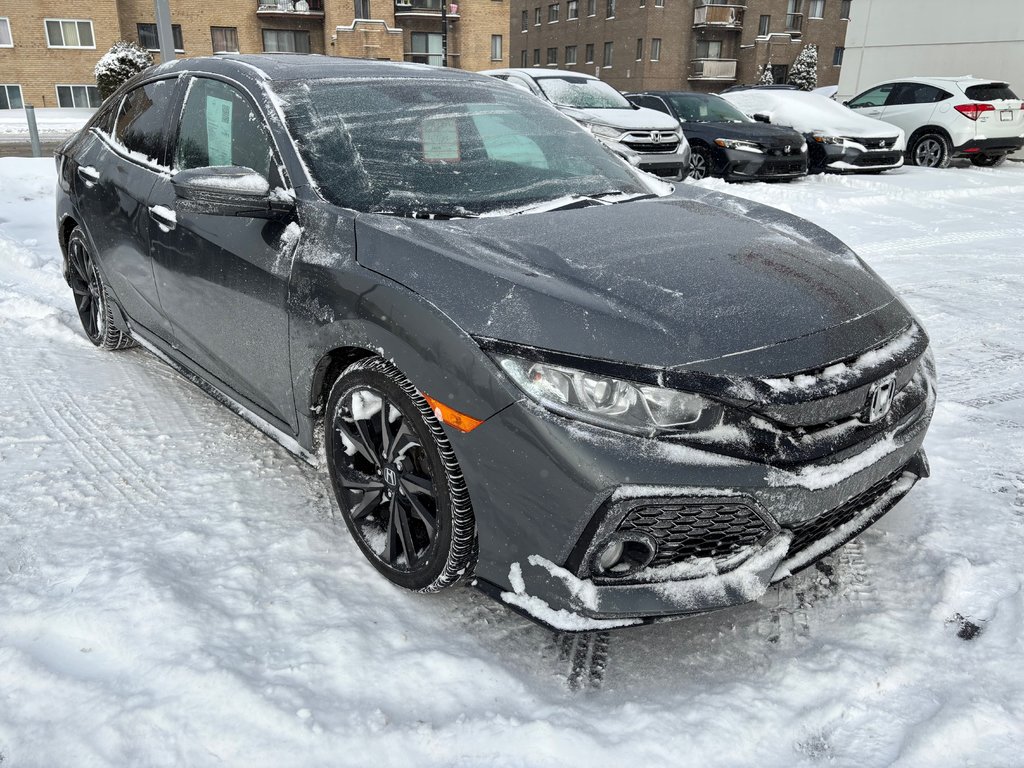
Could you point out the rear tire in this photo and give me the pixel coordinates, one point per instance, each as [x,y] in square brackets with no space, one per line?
[396,479]
[988,161]
[931,150]
[92,299]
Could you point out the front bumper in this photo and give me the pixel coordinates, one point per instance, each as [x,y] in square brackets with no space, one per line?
[671,166]
[548,491]
[853,158]
[737,165]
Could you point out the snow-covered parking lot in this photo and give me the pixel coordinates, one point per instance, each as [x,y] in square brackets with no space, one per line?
[174,590]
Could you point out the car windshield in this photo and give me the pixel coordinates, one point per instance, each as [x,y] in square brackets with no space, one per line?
[694,108]
[582,93]
[451,147]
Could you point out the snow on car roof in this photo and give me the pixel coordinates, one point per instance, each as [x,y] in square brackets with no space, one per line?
[808,112]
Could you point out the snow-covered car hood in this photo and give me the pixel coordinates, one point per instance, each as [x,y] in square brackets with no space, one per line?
[809,112]
[641,119]
[676,281]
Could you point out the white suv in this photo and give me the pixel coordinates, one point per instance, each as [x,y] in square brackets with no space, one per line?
[947,117]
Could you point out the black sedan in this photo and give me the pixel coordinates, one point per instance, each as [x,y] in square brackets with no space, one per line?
[725,142]
[524,365]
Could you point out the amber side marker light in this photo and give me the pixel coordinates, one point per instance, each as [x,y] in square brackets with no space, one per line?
[450,416]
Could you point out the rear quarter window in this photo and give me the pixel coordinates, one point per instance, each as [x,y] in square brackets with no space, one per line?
[990,92]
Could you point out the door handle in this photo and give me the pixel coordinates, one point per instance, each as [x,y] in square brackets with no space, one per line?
[88,174]
[164,217]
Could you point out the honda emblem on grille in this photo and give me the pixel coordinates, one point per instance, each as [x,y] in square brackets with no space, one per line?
[786,150]
[879,399]
[655,137]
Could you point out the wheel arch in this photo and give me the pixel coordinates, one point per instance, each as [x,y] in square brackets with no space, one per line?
[926,129]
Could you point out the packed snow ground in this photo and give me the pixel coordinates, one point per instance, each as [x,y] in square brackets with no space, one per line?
[175,591]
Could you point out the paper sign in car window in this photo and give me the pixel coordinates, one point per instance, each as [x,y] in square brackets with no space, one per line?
[218,130]
[440,139]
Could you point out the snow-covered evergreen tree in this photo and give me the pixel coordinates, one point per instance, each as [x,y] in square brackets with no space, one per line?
[764,75]
[123,60]
[804,74]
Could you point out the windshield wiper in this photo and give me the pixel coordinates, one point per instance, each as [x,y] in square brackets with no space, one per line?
[569,202]
[438,215]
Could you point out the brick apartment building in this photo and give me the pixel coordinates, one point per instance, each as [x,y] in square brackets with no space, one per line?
[692,45]
[48,48]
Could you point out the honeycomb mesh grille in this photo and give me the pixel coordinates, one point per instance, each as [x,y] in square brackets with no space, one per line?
[701,528]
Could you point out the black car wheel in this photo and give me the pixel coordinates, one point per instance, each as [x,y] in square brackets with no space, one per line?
[396,479]
[988,161]
[91,297]
[931,150]
[700,163]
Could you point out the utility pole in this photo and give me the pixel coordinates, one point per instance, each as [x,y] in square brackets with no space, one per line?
[444,33]
[164,31]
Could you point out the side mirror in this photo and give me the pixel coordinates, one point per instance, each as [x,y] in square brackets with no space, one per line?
[761,117]
[846,103]
[229,191]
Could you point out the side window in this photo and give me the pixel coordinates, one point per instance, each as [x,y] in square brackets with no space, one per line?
[655,102]
[219,127]
[143,118]
[874,98]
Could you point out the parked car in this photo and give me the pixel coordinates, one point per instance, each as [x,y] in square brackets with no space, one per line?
[523,363]
[838,140]
[647,139]
[725,142]
[947,117]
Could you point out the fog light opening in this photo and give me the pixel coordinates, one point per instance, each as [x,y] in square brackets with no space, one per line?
[621,556]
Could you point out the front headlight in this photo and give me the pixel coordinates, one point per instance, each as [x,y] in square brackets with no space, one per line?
[742,146]
[604,130]
[803,147]
[823,138]
[608,402]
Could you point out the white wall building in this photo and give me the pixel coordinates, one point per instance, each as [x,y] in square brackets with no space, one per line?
[888,39]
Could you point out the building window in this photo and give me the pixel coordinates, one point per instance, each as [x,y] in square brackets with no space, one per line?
[709,49]
[426,48]
[552,57]
[6,41]
[553,12]
[655,48]
[536,57]
[607,60]
[844,9]
[639,49]
[363,9]
[225,39]
[526,20]
[149,40]
[609,9]
[570,54]
[572,9]
[837,57]
[69,33]
[588,53]
[659,3]
[536,16]
[763,26]
[78,96]
[591,7]
[817,9]
[289,41]
[10,97]
[496,54]
[643,3]
[522,58]
[780,73]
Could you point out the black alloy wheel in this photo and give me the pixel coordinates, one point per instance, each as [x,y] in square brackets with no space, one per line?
[396,479]
[700,163]
[91,298]
[988,161]
[931,150]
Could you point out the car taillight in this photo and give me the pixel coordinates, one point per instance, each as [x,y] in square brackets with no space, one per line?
[971,111]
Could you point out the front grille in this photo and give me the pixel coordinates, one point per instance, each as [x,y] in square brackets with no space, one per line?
[875,143]
[776,168]
[697,529]
[810,531]
[877,158]
[651,147]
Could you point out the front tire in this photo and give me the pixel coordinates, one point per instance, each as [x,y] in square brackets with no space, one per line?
[700,163]
[92,299]
[931,150]
[396,479]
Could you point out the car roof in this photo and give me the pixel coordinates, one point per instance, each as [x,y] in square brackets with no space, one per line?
[959,80]
[537,72]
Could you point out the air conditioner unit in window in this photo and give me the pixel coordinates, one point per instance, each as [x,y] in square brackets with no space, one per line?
[404,3]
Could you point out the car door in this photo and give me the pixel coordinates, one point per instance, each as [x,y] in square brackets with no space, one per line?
[223,279]
[911,105]
[116,170]
[872,103]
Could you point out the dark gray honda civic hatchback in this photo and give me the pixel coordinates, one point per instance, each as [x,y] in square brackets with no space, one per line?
[524,365]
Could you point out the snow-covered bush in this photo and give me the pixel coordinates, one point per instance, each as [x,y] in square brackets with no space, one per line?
[764,75]
[123,60]
[804,74]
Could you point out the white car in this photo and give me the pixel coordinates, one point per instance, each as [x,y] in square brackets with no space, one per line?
[646,138]
[838,140]
[947,117]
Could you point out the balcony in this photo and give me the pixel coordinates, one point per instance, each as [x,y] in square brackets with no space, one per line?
[794,22]
[424,8]
[712,69]
[720,16]
[290,8]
